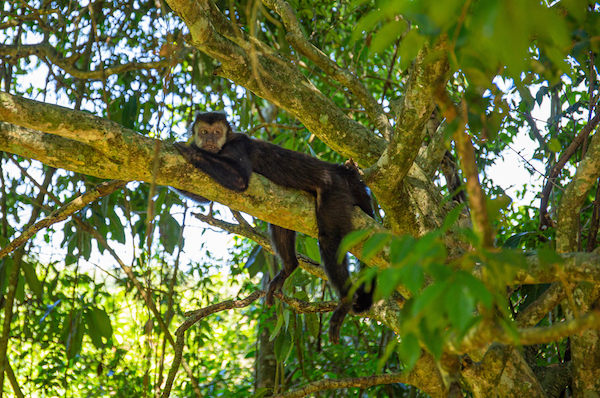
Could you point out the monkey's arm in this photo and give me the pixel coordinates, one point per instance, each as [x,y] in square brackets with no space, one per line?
[230,168]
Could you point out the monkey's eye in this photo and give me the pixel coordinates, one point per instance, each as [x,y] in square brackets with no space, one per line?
[204,132]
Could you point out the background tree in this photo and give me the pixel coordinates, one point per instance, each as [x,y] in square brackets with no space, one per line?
[476,295]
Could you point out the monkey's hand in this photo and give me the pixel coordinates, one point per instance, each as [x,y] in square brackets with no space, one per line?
[186,151]
[337,320]
[275,285]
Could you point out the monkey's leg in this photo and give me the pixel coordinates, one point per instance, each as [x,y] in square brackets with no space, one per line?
[334,207]
[284,243]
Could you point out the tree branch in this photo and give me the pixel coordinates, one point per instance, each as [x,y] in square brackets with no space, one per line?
[485,333]
[577,191]
[547,301]
[564,158]
[412,114]
[104,149]
[305,262]
[99,191]
[296,38]
[192,318]
[45,50]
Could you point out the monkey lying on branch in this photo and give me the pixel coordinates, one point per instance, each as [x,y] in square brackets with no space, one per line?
[230,158]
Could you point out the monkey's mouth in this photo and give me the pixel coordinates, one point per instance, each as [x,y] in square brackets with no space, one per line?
[211,148]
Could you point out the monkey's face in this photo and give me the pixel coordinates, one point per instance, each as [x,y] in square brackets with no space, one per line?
[210,137]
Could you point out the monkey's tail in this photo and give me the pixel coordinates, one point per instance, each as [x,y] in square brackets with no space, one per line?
[363,297]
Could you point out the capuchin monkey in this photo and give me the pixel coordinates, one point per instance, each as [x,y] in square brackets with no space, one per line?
[230,158]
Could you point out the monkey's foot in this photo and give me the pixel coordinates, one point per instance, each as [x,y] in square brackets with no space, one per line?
[337,320]
[363,299]
[274,286]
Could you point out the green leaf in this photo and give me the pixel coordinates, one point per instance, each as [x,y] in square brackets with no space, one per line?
[130,112]
[548,257]
[387,35]
[514,241]
[312,324]
[20,294]
[429,297]
[401,248]
[554,145]
[92,329]
[375,244]
[477,289]
[72,334]
[283,346]
[409,48]
[170,232]
[389,350]
[388,280]
[256,261]
[453,216]
[412,277]
[312,249]
[102,321]
[261,392]
[460,306]
[277,328]
[32,279]
[410,350]
[432,339]
[352,239]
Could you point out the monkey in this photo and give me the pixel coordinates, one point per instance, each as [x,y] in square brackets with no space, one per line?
[230,158]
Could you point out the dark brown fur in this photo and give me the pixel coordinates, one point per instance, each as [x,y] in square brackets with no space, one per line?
[336,188]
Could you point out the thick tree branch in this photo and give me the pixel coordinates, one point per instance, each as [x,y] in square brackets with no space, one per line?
[502,369]
[577,191]
[485,333]
[412,114]
[537,310]
[564,158]
[94,146]
[575,267]
[585,347]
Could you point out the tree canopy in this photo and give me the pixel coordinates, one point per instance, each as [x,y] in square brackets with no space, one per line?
[110,286]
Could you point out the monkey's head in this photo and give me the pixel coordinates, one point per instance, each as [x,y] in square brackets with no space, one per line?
[210,131]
